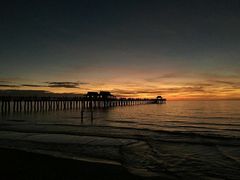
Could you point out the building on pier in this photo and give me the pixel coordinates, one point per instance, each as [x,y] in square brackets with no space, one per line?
[101,95]
[160,100]
[92,95]
[106,95]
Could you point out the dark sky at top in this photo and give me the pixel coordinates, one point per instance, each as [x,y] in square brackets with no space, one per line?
[40,39]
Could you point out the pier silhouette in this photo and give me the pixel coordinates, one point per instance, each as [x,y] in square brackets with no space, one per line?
[90,100]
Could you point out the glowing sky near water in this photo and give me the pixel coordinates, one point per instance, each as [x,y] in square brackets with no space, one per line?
[175,48]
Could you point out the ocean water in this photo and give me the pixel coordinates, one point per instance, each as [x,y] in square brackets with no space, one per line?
[179,139]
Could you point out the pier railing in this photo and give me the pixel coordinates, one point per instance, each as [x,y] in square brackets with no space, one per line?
[35,104]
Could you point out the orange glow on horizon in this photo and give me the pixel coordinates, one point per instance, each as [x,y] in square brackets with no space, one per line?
[135,84]
[167,91]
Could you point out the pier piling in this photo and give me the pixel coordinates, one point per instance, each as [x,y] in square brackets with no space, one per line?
[35,104]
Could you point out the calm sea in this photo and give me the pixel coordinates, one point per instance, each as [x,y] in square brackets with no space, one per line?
[187,138]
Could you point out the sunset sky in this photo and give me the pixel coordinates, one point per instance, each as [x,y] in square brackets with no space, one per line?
[179,49]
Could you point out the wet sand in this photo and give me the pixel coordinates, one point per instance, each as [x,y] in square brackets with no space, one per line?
[79,152]
[16,164]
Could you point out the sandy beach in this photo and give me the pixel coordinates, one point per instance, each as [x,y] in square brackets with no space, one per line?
[58,151]
[16,164]
[26,155]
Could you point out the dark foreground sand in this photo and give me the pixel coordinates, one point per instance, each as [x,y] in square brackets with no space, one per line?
[22,165]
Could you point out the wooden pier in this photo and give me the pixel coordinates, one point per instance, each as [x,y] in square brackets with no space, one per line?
[91,100]
[35,104]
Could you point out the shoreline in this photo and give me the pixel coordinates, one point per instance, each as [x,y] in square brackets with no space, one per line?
[19,164]
[61,152]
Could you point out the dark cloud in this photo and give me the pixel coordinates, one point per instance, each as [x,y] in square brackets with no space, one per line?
[165,76]
[230,84]
[24,93]
[170,75]
[218,76]
[225,82]
[34,93]
[9,85]
[202,84]
[6,83]
[2,81]
[55,84]
[183,90]
[33,85]
[65,84]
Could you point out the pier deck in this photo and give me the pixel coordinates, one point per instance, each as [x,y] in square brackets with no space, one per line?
[27,104]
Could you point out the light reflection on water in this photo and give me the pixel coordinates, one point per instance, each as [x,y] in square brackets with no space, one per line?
[221,117]
[202,138]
